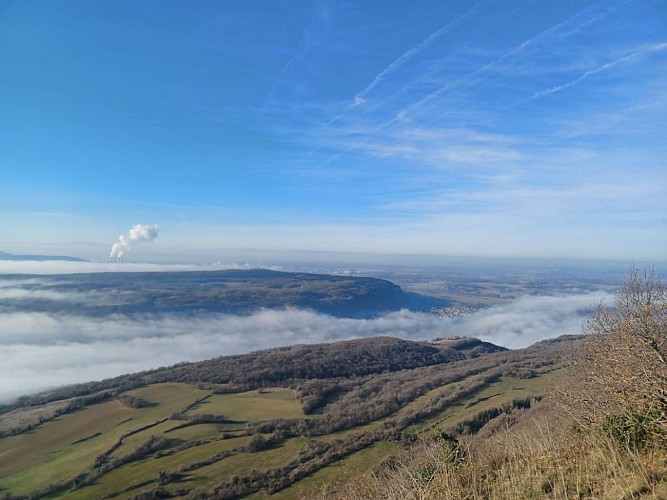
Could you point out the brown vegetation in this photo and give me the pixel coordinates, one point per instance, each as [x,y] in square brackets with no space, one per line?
[602,434]
[621,373]
[541,457]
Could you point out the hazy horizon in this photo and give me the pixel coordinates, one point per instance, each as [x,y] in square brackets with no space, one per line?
[308,261]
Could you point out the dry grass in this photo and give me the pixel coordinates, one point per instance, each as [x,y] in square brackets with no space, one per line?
[539,458]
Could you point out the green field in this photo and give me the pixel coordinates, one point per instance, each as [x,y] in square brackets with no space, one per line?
[336,473]
[251,406]
[497,394]
[32,460]
[246,462]
[150,469]
[187,439]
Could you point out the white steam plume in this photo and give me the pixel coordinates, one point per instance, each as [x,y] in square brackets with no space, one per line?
[138,233]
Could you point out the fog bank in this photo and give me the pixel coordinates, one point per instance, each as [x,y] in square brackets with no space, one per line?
[39,351]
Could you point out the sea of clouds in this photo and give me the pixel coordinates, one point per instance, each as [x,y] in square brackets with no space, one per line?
[40,350]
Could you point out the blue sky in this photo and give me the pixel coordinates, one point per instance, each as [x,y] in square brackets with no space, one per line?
[491,128]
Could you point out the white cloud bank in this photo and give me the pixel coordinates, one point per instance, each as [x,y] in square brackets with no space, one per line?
[39,351]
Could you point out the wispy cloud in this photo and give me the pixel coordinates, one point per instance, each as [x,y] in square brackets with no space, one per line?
[633,55]
[582,20]
[443,147]
[319,18]
[360,97]
[446,104]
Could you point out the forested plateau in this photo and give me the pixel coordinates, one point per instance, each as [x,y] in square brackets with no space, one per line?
[227,291]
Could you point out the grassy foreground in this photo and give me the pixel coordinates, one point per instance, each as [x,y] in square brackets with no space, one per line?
[539,456]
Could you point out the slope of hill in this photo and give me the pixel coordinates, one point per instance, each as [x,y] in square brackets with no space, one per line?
[231,291]
[276,421]
[602,433]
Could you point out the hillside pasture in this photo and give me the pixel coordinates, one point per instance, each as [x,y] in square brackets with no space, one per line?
[148,470]
[191,439]
[337,473]
[251,406]
[244,463]
[51,452]
[494,395]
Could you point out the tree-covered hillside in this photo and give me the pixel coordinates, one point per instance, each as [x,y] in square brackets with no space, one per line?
[231,291]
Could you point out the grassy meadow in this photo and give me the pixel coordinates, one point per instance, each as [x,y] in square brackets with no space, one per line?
[202,440]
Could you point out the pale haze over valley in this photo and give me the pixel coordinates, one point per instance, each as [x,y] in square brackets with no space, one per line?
[508,157]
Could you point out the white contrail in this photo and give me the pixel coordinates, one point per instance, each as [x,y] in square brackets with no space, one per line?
[558,88]
[360,98]
[582,20]
[138,233]
[590,16]
[302,50]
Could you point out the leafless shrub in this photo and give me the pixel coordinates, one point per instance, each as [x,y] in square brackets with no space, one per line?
[618,380]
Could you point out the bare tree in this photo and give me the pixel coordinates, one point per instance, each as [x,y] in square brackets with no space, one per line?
[619,380]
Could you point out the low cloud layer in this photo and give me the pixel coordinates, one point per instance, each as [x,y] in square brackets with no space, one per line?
[39,351]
